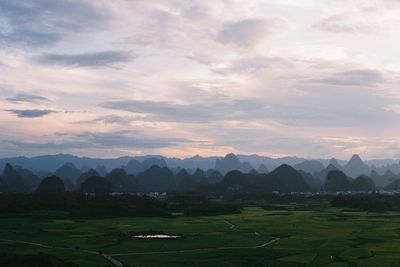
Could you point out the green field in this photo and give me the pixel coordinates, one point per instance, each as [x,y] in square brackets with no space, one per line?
[329,237]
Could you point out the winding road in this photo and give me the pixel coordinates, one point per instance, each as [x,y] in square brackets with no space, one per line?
[105,256]
[270,242]
[231,225]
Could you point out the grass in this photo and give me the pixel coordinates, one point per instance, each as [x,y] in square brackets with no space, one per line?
[329,237]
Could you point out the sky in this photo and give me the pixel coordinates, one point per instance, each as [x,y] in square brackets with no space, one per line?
[100,78]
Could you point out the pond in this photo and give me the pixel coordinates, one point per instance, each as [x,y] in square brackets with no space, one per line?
[157,236]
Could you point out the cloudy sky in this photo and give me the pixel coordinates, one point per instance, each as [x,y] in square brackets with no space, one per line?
[312,78]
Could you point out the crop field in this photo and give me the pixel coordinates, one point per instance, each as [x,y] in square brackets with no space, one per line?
[255,237]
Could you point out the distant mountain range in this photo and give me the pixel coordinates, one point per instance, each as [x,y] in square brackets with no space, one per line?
[228,174]
[245,163]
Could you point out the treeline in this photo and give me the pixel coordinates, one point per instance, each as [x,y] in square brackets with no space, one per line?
[198,205]
[40,259]
[75,205]
[367,202]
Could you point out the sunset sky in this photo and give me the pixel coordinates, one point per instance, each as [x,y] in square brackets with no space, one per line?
[101,78]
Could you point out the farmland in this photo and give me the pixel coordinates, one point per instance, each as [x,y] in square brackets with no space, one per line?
[323,237]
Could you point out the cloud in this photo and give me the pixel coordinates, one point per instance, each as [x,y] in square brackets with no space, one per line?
[358,77]
[27,98]
[248,32]
[312,109]
[112,119]
[395,108]
[30,37]
[200,13]
[129,139]
[114,140]
[93,59]
[45,22]
[30,113]
[343,23]
[252,65]
[195,112]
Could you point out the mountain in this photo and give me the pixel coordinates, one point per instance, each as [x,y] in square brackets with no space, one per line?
[159,179]
[335,163]
[395,168]
[214,176]
[184,181]
[180,175]
[286,179]
[253,171]
[68,171]
[2,186]
[283,179]
[96,185]
[231,162]
[29,179]
[150,162]
[50,163]
[389,177]
[246,167]
[337,181]
[270,163]
[69,186]
[310,166]
[51,185]
[385,179]
[195,162]
[363,183]
[86,175]
[238,182]
[313,183]
[133,167]
[393,186]
[262,169]
[356,167]
[84,168]
[101,170]
[12,180]
[324,173]
[122,182]
[198,175]
[382,162]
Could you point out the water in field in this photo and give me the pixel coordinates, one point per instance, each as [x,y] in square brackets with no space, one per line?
[158,236]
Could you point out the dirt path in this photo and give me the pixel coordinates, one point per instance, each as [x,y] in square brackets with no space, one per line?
[270,242]
[231,225]
[27,243]
[112,260]
[115,262]
[105,256]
